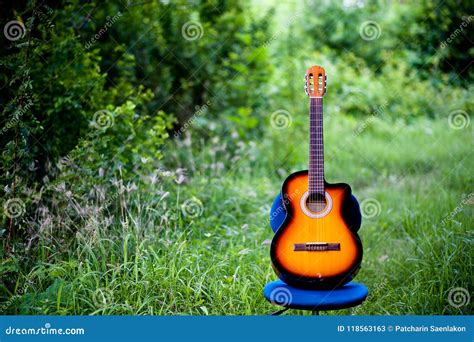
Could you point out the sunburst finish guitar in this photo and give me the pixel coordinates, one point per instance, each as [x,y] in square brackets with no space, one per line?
[316,245]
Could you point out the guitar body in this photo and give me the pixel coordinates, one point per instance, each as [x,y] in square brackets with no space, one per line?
[332,251]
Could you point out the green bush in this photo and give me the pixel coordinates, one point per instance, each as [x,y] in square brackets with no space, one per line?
[93,87]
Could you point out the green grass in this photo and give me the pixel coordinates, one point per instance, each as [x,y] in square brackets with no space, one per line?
[152,259]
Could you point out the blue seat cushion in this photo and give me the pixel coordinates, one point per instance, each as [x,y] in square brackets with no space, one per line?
[279,293]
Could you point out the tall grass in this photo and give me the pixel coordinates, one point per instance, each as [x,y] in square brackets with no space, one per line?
[148,253]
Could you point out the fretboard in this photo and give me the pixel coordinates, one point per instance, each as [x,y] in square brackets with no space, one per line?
[316,149]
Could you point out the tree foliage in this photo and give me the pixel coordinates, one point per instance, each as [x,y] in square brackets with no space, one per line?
[92,86]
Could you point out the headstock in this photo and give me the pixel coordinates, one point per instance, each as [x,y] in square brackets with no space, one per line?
[315,81]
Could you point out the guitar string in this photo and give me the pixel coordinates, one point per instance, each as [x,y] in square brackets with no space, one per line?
[316,179]
[319,167]
[316,159]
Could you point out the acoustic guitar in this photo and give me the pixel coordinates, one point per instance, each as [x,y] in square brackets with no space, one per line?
[316,243]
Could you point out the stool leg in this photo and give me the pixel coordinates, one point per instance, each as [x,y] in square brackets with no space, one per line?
[278,312]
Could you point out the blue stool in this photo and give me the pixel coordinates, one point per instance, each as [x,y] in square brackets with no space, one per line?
[290,297]
[282,294]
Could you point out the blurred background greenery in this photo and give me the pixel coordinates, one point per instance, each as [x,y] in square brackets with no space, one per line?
[143,143]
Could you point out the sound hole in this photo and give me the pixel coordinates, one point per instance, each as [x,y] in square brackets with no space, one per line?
[316,202]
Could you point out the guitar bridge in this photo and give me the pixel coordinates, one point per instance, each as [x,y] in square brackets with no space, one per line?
[316,247]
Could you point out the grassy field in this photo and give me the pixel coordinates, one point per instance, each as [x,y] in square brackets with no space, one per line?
[209,252]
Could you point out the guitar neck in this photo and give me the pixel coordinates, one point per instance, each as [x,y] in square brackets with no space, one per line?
[316,148]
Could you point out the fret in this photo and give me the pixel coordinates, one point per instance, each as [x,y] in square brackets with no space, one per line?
[316,148]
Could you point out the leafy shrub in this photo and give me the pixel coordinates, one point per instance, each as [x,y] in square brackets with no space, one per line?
[96,88]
